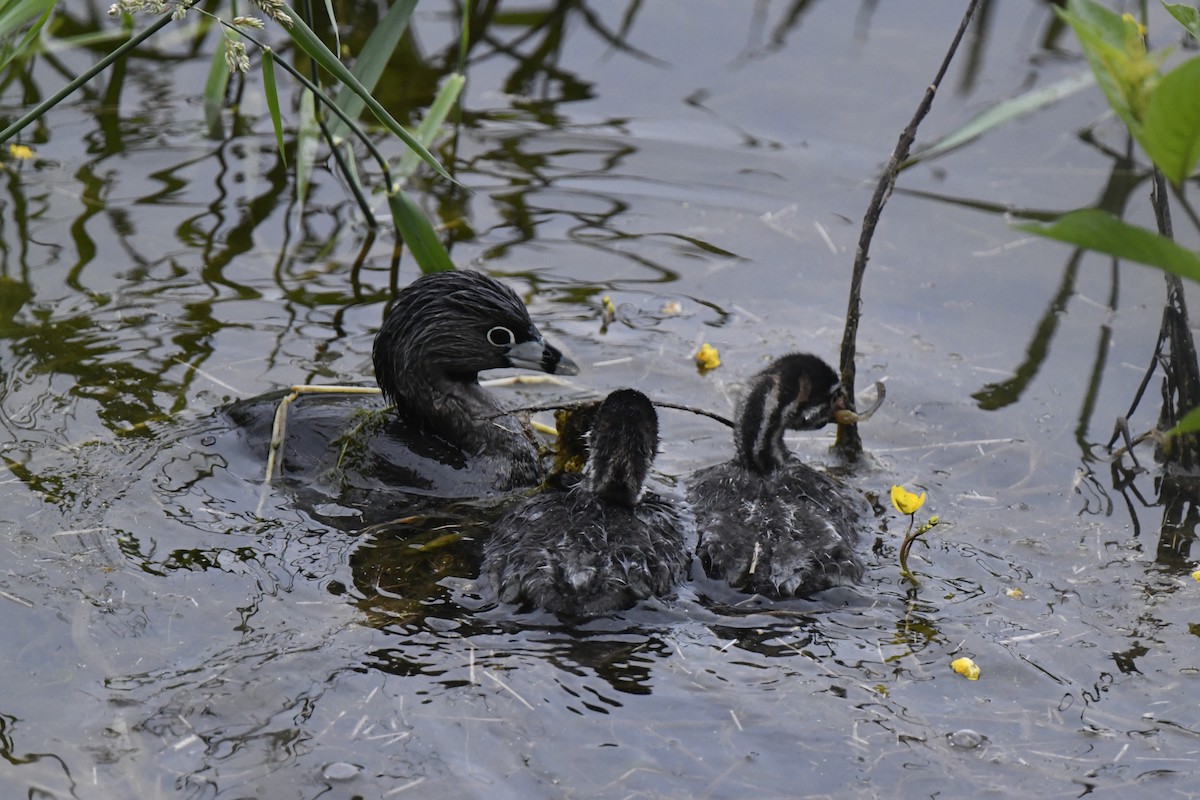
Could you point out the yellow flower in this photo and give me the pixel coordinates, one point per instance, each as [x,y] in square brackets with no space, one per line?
[1015,593]
[707,357]
[905,501]
[1196,575]
[965,667]
[610,310]
[20,151]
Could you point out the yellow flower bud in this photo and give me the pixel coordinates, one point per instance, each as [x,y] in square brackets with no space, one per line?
[965,667]
[707,357]
[1129,19]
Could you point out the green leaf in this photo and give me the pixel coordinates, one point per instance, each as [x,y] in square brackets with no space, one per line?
[272,92]
[1189,424]
[15,14]
[214,87]
[308,137]
[316,49]
[1171,127]
[431,125]
[373,59]
[1098,230]
[12,17]
[418,234]
[333,26]
[1114,48]
[1187,16]
[1004,112]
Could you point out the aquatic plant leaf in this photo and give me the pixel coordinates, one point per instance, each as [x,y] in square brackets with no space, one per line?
[1171,126]
[1187,16]
[1189,424]
[214,87]
[418,233]
[1113,46]
[271,90]
[14,16]
[307,139]
[1005,112]
[372,60]
[1098,230]
[316,49]
[333,27]
[431,125]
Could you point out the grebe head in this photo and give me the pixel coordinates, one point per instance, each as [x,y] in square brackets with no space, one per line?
[449,326]
[621,446]
[796,392]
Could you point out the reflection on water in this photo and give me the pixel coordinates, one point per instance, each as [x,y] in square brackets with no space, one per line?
[172,630]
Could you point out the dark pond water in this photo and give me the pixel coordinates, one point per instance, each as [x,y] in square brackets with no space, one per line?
[170,633]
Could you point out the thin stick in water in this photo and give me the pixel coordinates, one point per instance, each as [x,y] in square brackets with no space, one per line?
[849,443]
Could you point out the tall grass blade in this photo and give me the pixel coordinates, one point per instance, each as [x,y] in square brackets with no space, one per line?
[333,26]
[12,19]
[316,49]
[1189,423]
[350,173]
[373,59]
[1005,112]
[431,125]
[215,86]
[308,137]
[271,90]
[14,14]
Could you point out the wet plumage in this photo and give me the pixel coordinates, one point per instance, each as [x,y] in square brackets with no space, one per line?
[768,523]
[448,436]
[443,330]
[603,544]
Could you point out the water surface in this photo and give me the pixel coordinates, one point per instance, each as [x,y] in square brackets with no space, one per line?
[171,631]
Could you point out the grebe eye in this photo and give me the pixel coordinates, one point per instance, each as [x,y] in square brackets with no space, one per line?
[501,336]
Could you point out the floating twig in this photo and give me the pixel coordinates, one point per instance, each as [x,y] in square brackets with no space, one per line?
[279,427]
[572,406]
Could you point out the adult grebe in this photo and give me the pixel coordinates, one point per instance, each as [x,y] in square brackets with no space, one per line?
[448,437]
